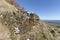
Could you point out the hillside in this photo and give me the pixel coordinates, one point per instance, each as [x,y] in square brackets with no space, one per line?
[18,24]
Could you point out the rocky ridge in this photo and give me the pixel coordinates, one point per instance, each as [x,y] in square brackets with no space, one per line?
[18,24]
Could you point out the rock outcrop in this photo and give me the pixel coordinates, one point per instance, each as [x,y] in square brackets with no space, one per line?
[18,24]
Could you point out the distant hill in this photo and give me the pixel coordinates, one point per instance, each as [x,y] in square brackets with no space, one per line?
[52,21]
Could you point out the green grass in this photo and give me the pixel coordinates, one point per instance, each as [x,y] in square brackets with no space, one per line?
[54,25]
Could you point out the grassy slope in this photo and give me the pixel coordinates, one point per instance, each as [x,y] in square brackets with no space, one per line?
[4,32]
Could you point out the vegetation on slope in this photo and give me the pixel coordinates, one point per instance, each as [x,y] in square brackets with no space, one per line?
[24,25]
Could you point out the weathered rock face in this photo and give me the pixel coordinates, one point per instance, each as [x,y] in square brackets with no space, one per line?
[17,25]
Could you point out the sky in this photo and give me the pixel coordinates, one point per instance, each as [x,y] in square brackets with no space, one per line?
[45,9]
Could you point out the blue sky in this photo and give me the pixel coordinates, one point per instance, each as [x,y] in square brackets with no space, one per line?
[45,9]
